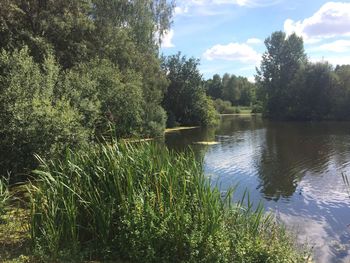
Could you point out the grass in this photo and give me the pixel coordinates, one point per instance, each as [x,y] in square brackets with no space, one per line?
[143,203]
[14,225]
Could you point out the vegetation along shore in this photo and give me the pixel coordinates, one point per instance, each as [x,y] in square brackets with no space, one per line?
[80,81]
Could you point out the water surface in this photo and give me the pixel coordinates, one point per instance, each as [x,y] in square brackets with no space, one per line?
[294,168]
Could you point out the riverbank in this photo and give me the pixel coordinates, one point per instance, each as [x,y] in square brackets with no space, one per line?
[139,203]
[241,114]
[180,128]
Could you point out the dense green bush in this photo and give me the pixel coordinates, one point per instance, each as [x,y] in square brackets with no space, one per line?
[32,119]
[104,95]
[185,100]
[257,108]
[142,203]
[224,107]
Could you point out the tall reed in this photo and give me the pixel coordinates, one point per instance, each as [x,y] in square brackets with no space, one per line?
[142,203]
[4,195]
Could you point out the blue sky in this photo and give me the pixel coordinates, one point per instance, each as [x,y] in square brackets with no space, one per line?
[227,35]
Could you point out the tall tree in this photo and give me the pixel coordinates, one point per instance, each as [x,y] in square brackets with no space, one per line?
[214,87]
[280,64]
[185,100]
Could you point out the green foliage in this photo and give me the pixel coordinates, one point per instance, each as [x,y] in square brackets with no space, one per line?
[257,108]
[279,67]
[32,120]
[142,203]
[236,90]
[224,107]
[87,64]
[290,87]
[185,100]
[80,30]
[341,94]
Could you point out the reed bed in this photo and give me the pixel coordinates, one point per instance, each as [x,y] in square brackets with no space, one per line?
[143,203]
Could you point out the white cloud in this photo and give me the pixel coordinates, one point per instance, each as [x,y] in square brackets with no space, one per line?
[256,3]
[181,10]
[251,79]
[332,19]
[184,6]
[334,60]
[338,46]
[167,39]
[233,52]
[254,41]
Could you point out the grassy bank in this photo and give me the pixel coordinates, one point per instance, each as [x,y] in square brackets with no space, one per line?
[142,203]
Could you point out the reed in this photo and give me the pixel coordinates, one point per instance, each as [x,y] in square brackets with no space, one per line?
[4,195]
[143,203]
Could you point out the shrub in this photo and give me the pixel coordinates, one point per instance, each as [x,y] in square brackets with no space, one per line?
[224,107]
[257,108]
[142,203]
[32,120]
[104,95]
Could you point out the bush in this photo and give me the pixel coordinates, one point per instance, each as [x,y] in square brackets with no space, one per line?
[104,95]
[204,112]
[32,120]
[156,121]
[257,108]
[142,203]
[224,107]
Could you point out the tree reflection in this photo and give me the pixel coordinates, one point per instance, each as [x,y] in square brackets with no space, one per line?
[292,150]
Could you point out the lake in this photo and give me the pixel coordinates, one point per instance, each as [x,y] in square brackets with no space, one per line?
[294,168]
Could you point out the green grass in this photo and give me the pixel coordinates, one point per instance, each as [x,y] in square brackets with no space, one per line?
[142,203]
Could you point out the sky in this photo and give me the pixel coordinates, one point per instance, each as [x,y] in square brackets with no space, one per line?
[228,35]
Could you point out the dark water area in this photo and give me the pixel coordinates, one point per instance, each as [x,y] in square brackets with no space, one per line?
[294,168]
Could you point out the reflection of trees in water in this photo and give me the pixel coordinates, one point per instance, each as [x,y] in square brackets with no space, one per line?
[288,151]
[232,124]
[183,140]
[292,149]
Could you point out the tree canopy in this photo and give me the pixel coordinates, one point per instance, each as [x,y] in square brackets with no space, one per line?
[185,100]
[291,87]
[70,69]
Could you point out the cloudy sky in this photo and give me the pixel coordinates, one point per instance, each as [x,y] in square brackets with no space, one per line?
[228,35]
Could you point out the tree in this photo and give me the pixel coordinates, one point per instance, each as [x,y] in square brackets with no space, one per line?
[214,87]
[185,100]
[32,119]
[341,100]
[280,64]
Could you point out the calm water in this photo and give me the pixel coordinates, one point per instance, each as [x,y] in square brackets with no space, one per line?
[293,168]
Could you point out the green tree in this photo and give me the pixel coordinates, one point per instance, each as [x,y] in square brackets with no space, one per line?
[280,64]
[185,100]
[126,33]
[341,100]
[32,119]
[214,87]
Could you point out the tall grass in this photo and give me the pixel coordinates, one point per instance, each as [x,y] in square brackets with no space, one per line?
[4,195]
[142,203]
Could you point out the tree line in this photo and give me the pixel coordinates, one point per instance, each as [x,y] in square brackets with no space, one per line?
[72,72]
[293,88]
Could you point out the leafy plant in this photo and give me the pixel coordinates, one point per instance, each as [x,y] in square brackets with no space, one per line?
[143,203]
